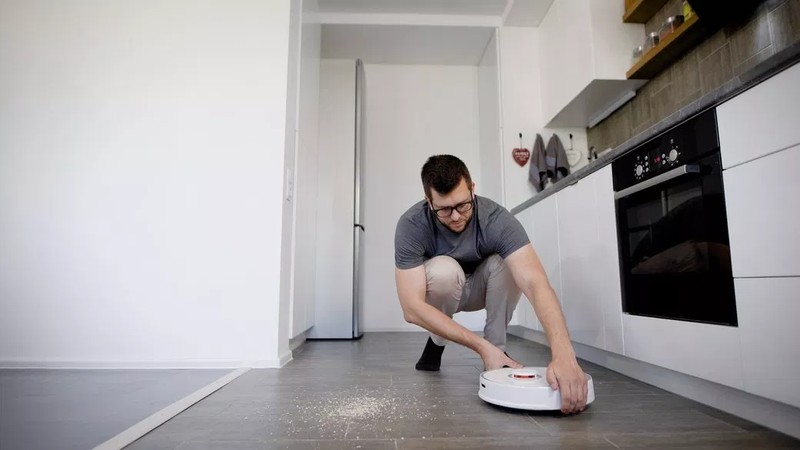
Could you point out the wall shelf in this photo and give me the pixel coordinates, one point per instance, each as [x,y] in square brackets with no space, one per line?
[642,10]
[669,50]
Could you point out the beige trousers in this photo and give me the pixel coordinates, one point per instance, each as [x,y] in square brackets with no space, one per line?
[490,287]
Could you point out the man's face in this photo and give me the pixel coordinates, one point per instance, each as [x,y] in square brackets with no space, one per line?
[455,221]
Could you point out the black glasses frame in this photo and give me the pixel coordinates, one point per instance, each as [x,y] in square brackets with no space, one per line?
[462,207]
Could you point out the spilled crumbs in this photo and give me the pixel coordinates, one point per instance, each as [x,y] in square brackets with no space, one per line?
[358,413]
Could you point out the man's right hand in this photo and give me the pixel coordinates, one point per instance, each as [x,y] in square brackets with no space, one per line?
[494,358]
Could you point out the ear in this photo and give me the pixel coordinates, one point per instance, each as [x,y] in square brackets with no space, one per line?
[474,188]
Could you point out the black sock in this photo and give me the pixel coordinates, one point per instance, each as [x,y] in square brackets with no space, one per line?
[431,357]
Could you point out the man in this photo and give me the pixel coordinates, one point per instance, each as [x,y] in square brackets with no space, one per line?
[455,251]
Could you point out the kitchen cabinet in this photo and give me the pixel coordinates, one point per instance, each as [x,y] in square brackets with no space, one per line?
[711,352]
[760,121]
[585,51]
[760,199]
[541,223]
[577,226]
[606,265]
[591,292]
[545,241]
[574,234]
[768,309]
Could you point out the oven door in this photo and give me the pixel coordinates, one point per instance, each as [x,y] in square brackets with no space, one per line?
[674,248]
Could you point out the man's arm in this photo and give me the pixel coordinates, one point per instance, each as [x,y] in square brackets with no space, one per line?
[563,373]
[411,290]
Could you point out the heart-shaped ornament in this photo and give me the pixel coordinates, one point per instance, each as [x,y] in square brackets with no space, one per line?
[521,156]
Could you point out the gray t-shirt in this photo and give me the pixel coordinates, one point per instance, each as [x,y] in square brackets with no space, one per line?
[420,236]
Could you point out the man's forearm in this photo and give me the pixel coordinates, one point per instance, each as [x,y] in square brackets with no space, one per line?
[548,310]
[438,323]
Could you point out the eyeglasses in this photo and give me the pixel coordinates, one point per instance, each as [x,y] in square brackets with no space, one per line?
[447,211]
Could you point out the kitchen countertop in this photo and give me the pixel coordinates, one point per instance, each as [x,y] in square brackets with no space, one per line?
[732,88]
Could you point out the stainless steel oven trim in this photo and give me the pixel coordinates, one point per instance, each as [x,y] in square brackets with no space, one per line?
[666,176]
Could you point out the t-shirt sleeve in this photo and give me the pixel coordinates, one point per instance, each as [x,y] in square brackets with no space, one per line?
[507,234]
[409,249]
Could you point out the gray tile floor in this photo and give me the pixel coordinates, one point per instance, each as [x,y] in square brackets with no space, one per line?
[79,409]
[366,394]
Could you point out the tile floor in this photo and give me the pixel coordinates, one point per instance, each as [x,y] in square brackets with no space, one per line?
[80,409]
[366,394]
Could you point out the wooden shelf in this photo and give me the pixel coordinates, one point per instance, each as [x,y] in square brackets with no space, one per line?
[669,50]
[642,10]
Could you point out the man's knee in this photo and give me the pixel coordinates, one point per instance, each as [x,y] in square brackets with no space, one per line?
[444,273]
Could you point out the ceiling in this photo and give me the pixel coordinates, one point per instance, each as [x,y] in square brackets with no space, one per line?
[440,32]
[514,12]
[459,7]
[405,44]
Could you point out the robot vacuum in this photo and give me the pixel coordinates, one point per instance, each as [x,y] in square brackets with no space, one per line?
[524,388]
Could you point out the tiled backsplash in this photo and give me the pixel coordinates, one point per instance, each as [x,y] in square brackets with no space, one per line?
[724,55]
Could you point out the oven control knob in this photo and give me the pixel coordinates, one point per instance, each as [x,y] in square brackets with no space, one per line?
[673,155]
[639,170]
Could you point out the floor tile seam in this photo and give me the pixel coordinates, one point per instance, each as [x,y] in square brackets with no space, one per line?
[605,437]
[542,427]
[150,423]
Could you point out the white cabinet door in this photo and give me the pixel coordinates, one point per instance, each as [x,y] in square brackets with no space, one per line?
[768,310]
[763,216]
[579,79]
[609,289]
[761,120]
[545,242]
[574,232]
[577,239]
[711,352]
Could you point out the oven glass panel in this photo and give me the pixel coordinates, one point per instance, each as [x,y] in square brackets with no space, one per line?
[675,252]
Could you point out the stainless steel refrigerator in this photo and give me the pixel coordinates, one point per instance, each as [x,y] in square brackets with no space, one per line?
[358,210]
[337,305]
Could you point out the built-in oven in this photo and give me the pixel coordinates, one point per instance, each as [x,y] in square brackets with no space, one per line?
[675,259]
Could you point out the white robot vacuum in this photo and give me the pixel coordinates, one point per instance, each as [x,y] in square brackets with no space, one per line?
[524,388]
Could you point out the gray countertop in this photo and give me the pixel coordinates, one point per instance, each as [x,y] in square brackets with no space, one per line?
[737,85]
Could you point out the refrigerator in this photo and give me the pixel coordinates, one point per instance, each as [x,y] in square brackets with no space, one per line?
[340,225]
[358,204]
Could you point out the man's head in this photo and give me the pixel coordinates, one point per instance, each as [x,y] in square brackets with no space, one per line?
[449,190]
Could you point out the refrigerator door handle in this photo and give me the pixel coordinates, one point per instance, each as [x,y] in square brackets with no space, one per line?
[359,226]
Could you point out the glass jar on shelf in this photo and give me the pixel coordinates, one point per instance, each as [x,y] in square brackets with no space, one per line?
[669,26]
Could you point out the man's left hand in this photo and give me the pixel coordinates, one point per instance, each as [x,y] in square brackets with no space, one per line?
[565,374]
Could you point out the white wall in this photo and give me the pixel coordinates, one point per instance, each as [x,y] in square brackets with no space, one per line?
[520,76]
[305,182]
[489,122]
[141,177]
[412,112]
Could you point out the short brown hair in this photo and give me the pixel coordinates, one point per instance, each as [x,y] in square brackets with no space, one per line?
[443,173]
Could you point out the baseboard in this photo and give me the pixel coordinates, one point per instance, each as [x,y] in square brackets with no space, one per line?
[769,413]
[149,424]
[148,365]
[285,358]
[298,340]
